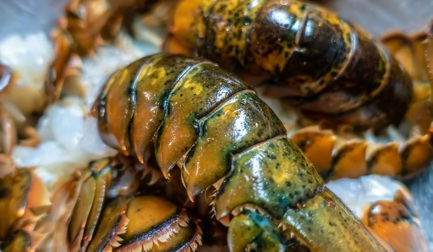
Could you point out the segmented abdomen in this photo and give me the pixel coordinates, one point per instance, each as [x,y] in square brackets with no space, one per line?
[220,134]
[322,65]
[186,106]
[335,157]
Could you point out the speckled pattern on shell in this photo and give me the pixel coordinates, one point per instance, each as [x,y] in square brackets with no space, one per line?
[235,139]
[325,67]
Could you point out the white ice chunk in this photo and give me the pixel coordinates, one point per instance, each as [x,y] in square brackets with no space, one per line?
[29,56]
[361,192]
[70,140]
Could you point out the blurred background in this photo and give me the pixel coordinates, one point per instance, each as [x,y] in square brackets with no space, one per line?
[26,16]
[379,16]
[376,16]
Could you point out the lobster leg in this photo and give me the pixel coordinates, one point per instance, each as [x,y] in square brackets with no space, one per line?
[89,205]
[126,222]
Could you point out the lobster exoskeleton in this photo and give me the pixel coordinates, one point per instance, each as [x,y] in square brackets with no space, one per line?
[222,135]
[325,67]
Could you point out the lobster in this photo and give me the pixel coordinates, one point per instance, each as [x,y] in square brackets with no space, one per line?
[23,196]
[398,217]
[392,216]
[323,66]
[23,201]
[125,219]
[327,68]
[87,25]
[402,158]
[101,19]
[335,156]
[83,216]
[403,165]
[222,135]
[255,220]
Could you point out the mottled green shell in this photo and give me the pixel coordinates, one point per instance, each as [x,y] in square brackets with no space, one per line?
[221,134]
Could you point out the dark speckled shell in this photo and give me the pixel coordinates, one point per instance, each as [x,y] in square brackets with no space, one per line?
[325,67]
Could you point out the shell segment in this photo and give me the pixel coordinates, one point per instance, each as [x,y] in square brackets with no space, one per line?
[336,157]
[241,122]
[396,225]
[315,217]
[159,225]
[89,205]
[112,223]
[237,145]
[322,65]
[193,98]
[273,175]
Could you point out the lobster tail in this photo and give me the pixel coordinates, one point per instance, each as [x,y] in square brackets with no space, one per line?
[320,64]
[221,134]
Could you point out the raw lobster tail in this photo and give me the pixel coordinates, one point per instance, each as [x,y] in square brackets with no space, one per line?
[324,66]
[221,134]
